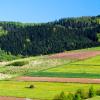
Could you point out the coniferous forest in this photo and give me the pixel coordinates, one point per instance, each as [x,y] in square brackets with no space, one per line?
[52,37]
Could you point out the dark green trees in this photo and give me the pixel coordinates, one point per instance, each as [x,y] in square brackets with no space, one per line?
[53,37]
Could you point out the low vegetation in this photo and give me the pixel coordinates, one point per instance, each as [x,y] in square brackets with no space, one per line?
[18,63]
[4,56]
[32,64]
[80,94]
[83,68]
[51,67]
[45,90]
[54,67]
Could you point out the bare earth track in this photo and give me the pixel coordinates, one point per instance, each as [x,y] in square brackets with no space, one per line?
[54,79]
[12,98]
[76,55]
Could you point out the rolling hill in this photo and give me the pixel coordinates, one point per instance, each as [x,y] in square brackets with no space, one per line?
[52,37]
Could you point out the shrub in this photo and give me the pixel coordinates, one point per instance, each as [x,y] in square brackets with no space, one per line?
[83,93]
[18,63]
[31,86]
[70,96]
[57,97]
[80,94]
[62,96]
[91,92]
[98,92]
[5,56]
[77,96]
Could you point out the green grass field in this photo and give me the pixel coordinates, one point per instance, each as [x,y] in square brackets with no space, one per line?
[62,74]
[44,66]
[34,64]
[76,69]
[79,69]
[90,61]
[88,68]
[42,90]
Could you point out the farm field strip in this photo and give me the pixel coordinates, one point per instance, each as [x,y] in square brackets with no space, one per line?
[12,98]
[76,55]
[76,69]
[42,90]
[44,65]
[62,75]
[34,65]
[53,79]
[87,66]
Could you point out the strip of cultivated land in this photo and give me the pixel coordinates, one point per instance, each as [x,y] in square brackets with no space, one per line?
[84,68]
[41,90]
[72,64]
[13,98]
[53,79]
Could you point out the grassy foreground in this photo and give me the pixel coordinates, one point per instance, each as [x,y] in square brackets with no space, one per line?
[42,90]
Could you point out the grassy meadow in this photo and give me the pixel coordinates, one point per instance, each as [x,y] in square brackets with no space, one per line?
[88,68]
[42,90]
[48,67]
[45,66]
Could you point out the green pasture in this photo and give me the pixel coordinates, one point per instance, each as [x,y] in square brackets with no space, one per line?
[42,90]
[76,69]
[52,67]
[31,64]
[83,68]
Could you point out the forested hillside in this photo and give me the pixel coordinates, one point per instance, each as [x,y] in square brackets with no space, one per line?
[52,37]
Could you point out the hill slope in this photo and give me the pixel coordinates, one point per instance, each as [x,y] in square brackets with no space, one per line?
[52,37]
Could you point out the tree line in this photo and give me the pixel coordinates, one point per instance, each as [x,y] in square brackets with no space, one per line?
[52,37]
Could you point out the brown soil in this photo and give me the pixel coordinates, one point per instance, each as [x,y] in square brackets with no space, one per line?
[52,79]
[76,55]
[11,98]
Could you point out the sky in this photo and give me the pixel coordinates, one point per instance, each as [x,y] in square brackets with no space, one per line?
[46,10]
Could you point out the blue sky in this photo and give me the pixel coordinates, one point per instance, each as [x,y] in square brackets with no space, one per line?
[46,10]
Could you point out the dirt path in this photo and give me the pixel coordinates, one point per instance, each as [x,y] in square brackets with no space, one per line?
[12,98]
[51,79]
[76,55]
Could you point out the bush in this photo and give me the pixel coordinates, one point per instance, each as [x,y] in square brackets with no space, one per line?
[80,94]
[91,92]
[98,92]
[62,96]
[57,97]
[31,86]
[5,56]
[77,97]
[83,93]
[70,96]
[18,63]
